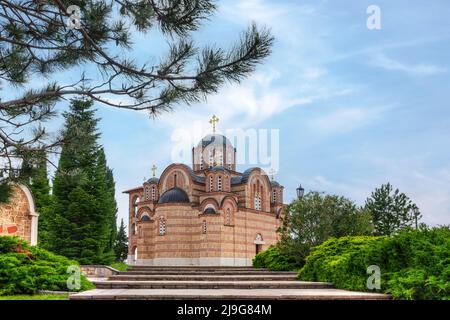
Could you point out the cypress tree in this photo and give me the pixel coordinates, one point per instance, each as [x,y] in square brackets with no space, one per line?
[81,225]
[121,243]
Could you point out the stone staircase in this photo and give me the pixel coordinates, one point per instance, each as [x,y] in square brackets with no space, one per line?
[228,283]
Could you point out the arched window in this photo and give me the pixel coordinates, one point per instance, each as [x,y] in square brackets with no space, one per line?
[274,196]
[135,202]
[205,227]
[257,201]
[162,226]
[219,183]
[147,194]
[211,184]
[133,229]
[153,193]
[175,180]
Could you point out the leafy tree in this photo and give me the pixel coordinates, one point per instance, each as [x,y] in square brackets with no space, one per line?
[39,41]
[121,243]
[391,210]
[314,218]
[81,228]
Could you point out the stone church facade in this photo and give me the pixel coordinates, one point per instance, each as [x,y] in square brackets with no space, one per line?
[209,214]
[18,216]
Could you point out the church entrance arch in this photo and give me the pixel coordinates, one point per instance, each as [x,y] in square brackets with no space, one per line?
[258,243]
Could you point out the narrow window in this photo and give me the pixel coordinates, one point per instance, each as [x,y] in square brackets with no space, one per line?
[153,193]
[228,217]
[201,161]
[147,194]
[219,183]
[211,159]
[211,184]
[205,227]
[162,226]
[175,180]
[220,159]
[274,196]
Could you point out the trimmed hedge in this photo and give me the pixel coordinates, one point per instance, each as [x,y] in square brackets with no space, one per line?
[414,264]
[26,270]
[273,259]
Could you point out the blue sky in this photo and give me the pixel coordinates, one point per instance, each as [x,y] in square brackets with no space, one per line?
[354,107]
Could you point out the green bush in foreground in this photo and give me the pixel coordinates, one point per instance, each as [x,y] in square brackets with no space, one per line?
[414,264]
[273,259]
[26,270]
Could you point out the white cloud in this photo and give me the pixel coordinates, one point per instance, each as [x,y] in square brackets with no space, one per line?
[382,61]
[347,119]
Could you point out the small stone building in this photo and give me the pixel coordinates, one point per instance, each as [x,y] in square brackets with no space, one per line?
[209,214]
[18,217]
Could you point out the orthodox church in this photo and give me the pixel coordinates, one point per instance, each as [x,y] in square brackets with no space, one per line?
[209,214]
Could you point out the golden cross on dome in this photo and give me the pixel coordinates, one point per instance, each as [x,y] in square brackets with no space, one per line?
[213,121]
[154,170]
[272,173]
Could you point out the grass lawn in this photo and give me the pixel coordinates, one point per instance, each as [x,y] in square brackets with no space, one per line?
[120,266]
[36,297]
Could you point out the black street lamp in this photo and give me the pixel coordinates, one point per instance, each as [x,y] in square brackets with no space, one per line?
[300,191]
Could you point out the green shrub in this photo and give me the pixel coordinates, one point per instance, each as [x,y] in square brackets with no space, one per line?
[273,259]
[414,264]
[26,270]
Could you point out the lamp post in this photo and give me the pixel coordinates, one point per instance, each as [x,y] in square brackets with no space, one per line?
[300,192]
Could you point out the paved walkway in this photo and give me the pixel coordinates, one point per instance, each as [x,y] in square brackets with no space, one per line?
[225,294]
[210,283]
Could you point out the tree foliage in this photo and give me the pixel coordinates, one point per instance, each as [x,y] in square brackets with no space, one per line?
[84,210]
[391,210]
[28,269]
[316,217]
[41,39]
[121,243]
[414,264]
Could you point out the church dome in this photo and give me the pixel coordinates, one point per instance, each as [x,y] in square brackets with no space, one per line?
[153,180]
[214,139]
[174,195]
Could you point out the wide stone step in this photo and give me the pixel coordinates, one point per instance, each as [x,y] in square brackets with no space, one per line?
[203,272]
[208,277]
[193,268]
[225,294]
[211,285]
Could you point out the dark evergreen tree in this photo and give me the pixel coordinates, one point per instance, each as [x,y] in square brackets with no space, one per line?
[81,224]
[121,243]
[34,174]
[391,210]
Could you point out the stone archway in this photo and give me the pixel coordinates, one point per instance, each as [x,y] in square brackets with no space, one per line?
[18,217]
